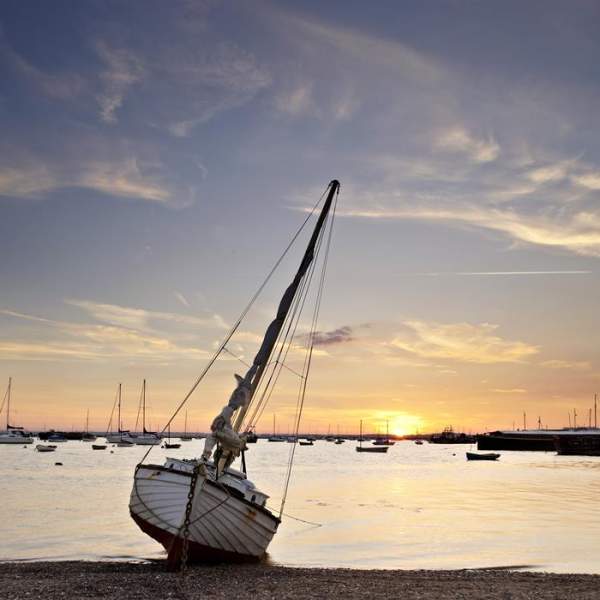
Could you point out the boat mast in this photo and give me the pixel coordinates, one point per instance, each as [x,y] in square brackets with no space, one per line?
[119,427]
[261,360]
[144,406]
[8,404]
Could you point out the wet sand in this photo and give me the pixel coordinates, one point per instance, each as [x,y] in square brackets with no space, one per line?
[103,580]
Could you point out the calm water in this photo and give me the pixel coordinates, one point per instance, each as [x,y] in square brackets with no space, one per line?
[416,507]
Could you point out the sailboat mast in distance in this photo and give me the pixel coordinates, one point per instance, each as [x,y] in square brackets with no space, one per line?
[8,404]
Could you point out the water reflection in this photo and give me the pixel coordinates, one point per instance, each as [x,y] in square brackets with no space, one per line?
[414,507]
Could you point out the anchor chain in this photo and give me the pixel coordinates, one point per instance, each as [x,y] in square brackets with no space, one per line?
[187,519]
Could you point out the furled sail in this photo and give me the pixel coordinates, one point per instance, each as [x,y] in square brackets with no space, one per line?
[223,430]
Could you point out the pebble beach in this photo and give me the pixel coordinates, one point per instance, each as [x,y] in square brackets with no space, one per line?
[137,581]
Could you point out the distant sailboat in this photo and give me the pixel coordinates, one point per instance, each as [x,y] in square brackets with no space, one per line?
[386,440]
[87,436]
[275,437]
[168,444]
[146,438]
[13,434]
[372,449]
[121,436]
[185,437]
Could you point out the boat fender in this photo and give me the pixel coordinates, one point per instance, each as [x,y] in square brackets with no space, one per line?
[58,464]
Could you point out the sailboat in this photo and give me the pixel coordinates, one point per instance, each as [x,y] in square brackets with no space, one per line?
[13,434]
[386,440]
[361,448]
[275,437]
[146,438]
[121,436]
[87,436]
[167,443]
[185,437]
[203,509]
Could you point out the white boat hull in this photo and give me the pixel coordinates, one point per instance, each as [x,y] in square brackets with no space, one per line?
[223,524]
[9,439]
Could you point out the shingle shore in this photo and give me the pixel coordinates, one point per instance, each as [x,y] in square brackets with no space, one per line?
[133,581]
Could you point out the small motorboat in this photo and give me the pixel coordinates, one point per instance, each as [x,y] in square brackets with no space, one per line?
[98,446]
[339,441]
[306,442]
[485,456]
[419,442]
[45,447]
[171,446]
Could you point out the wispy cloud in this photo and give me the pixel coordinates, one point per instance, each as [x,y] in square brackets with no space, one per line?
[123,70]
[498,273]
[129,177]
[335,336]
[578,232]
[143,319]
[461,342]
[84,341]
[181,298]
[57,85]
[458,139]
[509,390]
[581,365]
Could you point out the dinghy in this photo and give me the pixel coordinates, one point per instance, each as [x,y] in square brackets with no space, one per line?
[45,448]
[486,456]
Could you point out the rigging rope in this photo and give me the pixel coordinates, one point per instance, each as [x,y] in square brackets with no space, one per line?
[4,401]
[236,325]
[286,343]
[112,412]
[302,394]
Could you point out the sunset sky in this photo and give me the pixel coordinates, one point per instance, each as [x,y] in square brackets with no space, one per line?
[157,157]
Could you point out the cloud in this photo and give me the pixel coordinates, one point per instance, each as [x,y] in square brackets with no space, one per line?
[28,181]
[210,80]
[509,390]
[458,139]
[84,341]
[578,232]
[501,273]
[142,319]
[181,298]
[590,180]
[56,85]
[554,172]
[296,102]
[123,70]
[461,342]
[124,179]
[566,364]
[129,177]
[336,336]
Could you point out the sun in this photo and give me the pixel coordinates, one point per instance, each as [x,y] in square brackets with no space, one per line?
[404,424]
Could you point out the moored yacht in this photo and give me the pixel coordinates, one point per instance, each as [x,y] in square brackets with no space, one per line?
[13,435]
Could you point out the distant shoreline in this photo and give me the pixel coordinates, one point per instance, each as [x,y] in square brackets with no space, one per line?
[137,581]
